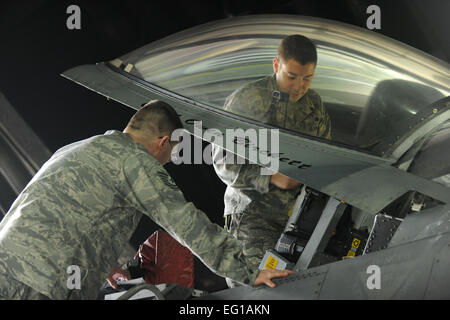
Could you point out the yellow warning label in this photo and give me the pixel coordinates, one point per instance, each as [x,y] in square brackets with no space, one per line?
[350,253]
[355,243]
[128,67]
[271,263]
[292,209]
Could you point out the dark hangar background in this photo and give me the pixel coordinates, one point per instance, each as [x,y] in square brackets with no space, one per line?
[36,47]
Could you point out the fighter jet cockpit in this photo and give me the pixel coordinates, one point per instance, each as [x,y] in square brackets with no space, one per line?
[383,162]
[373,99]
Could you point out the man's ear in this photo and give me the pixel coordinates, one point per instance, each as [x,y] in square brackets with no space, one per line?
[165,140]
[276,64]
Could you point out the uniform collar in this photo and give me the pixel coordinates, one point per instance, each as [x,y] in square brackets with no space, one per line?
[126,137]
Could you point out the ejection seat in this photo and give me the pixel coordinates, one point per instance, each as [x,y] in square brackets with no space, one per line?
[391,111]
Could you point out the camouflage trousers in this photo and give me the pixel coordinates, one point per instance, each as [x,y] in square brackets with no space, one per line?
[11,289]
[258,231]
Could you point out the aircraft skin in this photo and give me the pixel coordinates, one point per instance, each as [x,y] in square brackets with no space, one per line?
[414,260]
[413,266]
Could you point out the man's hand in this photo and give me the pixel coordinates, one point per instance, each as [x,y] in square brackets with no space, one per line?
[283,182]
[115,273]
[265,276]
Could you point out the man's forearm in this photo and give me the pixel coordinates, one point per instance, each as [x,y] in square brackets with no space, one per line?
[283,182]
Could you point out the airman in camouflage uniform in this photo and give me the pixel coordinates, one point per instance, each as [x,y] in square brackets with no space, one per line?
[84,204]
[306,115]
[256,208]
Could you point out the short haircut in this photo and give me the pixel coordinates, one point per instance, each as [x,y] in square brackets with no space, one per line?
[299,48]
[155,119]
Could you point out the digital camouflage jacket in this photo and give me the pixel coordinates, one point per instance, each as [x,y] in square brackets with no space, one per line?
[84,204]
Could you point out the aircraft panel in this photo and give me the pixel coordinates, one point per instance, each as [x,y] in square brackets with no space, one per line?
[336,171]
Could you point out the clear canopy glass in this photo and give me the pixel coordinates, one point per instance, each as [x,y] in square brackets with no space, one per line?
[374,88]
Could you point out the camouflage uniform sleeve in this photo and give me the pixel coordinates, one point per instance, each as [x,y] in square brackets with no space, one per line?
[325,122]
[247,101]
[153,192]
[240,176]
[237,103]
